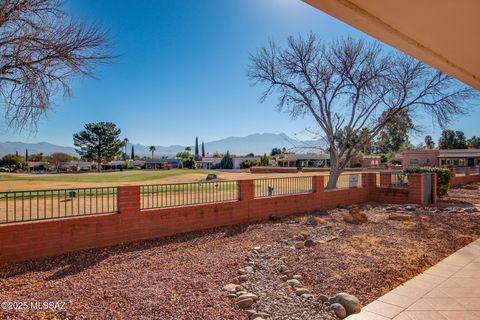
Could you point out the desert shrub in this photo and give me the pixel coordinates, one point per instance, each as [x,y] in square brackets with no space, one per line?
[444,176]
[247,164]
[264,161]
[189,163]
[41,167]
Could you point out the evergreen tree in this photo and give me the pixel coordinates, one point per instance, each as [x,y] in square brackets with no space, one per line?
[99,142]
[226,162]
[133,153]
[450,139]
[429,143]
[203,149]
[26,155]
[196,147]
[473,143]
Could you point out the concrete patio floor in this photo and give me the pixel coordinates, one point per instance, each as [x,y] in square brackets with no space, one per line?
[450,290]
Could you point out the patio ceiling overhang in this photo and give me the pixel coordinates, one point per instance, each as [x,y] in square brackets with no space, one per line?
[442,33]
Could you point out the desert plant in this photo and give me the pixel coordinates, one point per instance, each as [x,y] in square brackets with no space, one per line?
[247,164]
[444,176]
[189,163]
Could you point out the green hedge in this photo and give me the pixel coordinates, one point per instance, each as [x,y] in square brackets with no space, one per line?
[444,176]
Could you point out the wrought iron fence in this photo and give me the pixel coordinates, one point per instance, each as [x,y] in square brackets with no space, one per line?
[392,179]
[271,187]
[18,206]
[460,171]
[184,194]
[474,170]
[342,181]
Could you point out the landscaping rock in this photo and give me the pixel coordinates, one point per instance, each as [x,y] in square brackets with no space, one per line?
[251,313]
[300,291]
[410,208]
[242,278]
[347,217]
[211,176]
[293,282]
[339,310]
[248,296]
[244,303]
[309,243]
[322,298]
[230,287]
[299,245]
[283,277]
[241,272]
[350,303]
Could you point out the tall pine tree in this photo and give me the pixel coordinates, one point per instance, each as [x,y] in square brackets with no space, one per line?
[203,149]
[196,147]
[133,153]
[26,155]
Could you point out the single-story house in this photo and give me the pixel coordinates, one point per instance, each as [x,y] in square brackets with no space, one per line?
[34,165]
[154,164]
[208,163]
[315,160]
[212,162]
[371,161]
[237,161]
[442,158]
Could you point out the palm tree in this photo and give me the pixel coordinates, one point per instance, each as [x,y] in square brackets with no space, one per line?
[152,150]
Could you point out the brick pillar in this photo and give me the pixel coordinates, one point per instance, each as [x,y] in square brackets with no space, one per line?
[129,199]
[369,180]
[385,179]
[246,190]
[467,171]
[415,188]
[318,184]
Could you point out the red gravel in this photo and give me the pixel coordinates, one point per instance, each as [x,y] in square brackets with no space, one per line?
[176,278]
[468,195]
[181,277]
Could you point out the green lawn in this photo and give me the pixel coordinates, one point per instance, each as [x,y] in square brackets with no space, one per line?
[121,176]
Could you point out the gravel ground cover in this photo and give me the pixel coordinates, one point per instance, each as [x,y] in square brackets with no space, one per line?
[182,277]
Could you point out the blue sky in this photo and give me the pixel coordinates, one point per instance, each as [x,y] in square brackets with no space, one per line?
[181,71]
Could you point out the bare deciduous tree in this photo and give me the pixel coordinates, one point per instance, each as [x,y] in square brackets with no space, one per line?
[41,49]
[353,87]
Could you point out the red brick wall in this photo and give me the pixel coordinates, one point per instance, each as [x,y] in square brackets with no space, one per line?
[24,241]
[466,179]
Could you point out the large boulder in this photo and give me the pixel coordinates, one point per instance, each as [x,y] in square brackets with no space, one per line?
[211,176]
[350,303]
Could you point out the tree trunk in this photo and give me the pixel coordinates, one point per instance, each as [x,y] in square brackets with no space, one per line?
[335,171]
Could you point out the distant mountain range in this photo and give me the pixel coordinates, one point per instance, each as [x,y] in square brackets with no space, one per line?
[258,143]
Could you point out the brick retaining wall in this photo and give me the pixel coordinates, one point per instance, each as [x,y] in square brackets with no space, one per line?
[22,241]
[466,179]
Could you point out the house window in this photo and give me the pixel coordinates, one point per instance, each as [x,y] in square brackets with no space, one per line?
[414,162]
